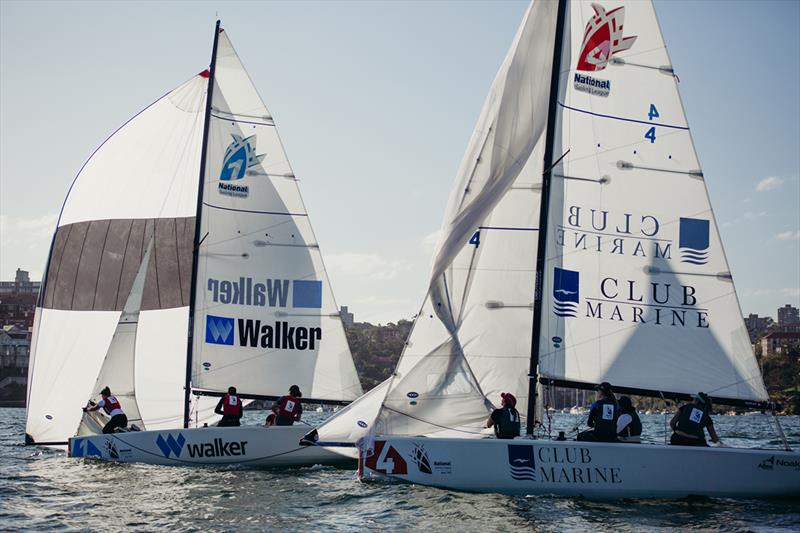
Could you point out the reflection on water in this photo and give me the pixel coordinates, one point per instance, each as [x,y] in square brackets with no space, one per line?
[42,489]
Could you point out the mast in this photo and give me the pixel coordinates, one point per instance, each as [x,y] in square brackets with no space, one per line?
[544,213]
[196,241]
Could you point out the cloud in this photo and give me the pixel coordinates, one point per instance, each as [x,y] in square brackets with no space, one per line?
[788,236]
[768,184]
[24,242]
[368,266]
[790,292]
[751,215]
[429,241]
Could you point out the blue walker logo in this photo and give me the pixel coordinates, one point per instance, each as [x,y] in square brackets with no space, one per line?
[240,156]
[694,241]
[521,463]
[565,292]
[170,444]
[219,330]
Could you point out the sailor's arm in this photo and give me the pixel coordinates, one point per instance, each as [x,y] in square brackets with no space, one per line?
[712,431]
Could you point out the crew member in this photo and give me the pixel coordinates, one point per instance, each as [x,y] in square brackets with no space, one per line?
[272,417]
[603,417]
[288,409]
[629,426]
[505,420]
[230,407]
[690,421]
[111,406]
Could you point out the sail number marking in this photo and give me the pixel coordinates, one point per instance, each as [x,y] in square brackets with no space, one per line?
[476,239]
[651,114]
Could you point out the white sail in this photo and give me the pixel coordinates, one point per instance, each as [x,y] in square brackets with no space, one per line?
[265,316]
[141,182]
[472,337]
[118,369]
[638,291]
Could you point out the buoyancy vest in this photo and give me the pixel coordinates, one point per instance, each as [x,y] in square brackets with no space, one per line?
[692,419]
[508,425]
[604,413]
[289,407]
[634,429]
[231,405]
[110,404]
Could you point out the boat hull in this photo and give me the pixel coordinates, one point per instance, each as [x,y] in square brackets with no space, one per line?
[252,446]
[584,469]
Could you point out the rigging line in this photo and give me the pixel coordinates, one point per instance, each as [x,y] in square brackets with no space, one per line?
[507,228]
[601,181]
[665,69]
[613,117]
[243,121]
[722,276]
[231,113]
[557,161]
[620,302]
[626,165]
[256,212]
[625,235]
[431,423]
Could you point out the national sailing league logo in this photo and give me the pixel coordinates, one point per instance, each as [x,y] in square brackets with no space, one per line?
[565,292]
[240,156]
[602,39]
[693,241]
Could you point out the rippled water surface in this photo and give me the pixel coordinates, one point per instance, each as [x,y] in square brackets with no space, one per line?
[42,489]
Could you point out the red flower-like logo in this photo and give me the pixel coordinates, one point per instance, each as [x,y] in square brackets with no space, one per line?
[603,38]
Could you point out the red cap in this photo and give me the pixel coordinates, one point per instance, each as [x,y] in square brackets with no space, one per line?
[509,398]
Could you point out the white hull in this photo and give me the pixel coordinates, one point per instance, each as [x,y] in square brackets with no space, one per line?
[587,469]
[246,445]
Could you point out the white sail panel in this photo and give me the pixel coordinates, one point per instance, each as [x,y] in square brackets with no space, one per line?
[146,174]
[265,316]
[638,290]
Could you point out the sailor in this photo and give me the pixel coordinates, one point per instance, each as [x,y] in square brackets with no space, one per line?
[505,420]
[288,409]
[629,427]
[603,417]
[230,407]
[690,421]
[111,406]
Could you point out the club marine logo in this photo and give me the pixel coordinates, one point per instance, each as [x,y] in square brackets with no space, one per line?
[240,156]
[521,463]
[565,292]
[693,241]
[602,39]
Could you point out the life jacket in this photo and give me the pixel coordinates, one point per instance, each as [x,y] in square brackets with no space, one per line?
[508,425]
[288,407]
[634,429]
[605,413]
[231,405]
[110,404]
[692,419]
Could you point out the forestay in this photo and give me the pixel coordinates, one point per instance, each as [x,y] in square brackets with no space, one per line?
[265,316]
[638,291]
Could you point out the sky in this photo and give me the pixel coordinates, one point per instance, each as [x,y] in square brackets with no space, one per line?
[375,103]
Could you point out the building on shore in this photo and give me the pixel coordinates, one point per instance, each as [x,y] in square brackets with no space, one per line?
[758,326]
[348,318]
[779,342]
[17,312]
[788,314]
[22,284]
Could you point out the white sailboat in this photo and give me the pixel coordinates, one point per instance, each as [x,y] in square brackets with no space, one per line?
[235,292]
[581,174]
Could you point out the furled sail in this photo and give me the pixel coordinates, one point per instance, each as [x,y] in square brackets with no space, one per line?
[118,369]
[146,174]
[265,316]
[638,291]
[472,337]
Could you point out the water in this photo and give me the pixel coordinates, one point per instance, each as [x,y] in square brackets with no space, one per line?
[42,489]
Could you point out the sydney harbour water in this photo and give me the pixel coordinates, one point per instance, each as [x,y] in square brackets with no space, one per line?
[42,489]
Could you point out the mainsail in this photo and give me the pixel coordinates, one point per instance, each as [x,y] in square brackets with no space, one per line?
[637,291]
[265,316]
[257,264]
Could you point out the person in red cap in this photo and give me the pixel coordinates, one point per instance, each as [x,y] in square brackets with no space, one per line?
[505,420]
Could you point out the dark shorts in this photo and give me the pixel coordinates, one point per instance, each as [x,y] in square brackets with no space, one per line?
[117,421]
[591,436]
[680,440]
[229,421]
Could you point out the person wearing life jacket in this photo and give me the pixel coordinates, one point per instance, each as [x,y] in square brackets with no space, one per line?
[691,420]
[288,409]
[112,408]
[603,417]
[230,407]
[505,420]
[629,426]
